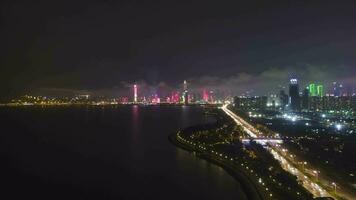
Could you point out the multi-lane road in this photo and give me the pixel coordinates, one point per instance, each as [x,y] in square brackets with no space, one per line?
[278,153]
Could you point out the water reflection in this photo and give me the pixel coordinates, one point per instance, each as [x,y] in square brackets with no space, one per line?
[135,123]
[185,115]
[121,149]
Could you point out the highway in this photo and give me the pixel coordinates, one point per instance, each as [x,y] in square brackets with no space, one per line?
[276,150]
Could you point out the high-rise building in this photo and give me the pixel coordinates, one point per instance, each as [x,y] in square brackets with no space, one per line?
[185,85]
[320,90]
[283,99]
[353,103]
[185,92]
[205,96]
[305,99]
[337,89]
[211,96]
[312,90]
[273,102]
[175,97]
[135,93]
[294,98]
[316,90]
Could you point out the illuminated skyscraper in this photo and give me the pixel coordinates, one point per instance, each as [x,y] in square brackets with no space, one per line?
[175,97]
[185,92]
[312,89]
[205,96]
[135,93]
[294,94]
[320,90]
[283,99]
[337,89]
[316,90]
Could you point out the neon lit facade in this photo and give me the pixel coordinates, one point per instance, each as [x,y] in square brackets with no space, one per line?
[205,96]
[320,90]
[175,97]
[135,93]
[312,89]
[316,90]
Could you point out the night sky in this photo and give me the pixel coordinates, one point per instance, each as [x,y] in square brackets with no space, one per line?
[108,45]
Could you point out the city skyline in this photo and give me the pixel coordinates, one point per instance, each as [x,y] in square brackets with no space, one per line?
[315,88]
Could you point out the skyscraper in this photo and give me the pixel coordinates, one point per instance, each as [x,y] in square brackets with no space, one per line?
[135,93]
[312,89]
[305,99]
[294,98]
[353,103]
[205,96]
[316,90]
[283,99]
[185,92]
[320,90]
[337,89]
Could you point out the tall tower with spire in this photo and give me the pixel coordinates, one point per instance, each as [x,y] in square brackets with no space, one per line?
[135,93]
[185,92]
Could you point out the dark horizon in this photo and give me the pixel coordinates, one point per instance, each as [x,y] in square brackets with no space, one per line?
[107,45]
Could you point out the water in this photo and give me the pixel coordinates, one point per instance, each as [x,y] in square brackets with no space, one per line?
[105,153]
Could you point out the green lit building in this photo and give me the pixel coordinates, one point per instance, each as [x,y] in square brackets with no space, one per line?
[312,90]
[316,90]
[320,90]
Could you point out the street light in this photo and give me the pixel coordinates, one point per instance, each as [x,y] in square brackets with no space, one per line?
[316,174]
[334,184]
[303,163]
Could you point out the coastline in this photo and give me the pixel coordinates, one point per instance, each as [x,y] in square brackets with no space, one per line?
[247,185]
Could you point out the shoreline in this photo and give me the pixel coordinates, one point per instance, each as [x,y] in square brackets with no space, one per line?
[106,105]
[247,185]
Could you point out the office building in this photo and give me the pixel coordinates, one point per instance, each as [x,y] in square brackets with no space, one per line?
[294,98]
[305,99]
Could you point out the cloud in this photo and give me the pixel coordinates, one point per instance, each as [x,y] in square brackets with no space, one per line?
[274,79]
[266,82]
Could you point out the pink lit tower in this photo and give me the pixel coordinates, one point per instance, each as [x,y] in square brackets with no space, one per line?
[135,93]
[205,96]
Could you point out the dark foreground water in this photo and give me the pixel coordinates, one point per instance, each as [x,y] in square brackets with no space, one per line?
[105,153]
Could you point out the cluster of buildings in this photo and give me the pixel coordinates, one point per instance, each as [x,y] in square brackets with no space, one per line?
[321,112]
[182,96]
[312,98]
